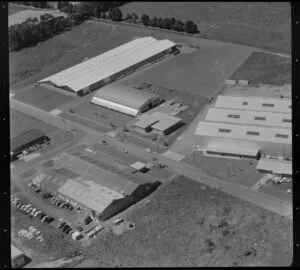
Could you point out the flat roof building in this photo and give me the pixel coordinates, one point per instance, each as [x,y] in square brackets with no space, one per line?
[272,141]
[158,122]
[254,104]
[107,67]
[275,166]
[243,117]
[18,258]
[125,99]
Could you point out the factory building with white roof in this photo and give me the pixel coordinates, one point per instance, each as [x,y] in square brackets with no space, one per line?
[246,127]
[107,67]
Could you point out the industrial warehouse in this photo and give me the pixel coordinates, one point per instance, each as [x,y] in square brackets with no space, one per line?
[157,122]
[26,140]
[125,99]
[107,67]
[102,196]
[240,128]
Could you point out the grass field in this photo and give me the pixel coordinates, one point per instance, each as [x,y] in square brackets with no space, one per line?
[43,98]
[185,223]
[19,123]
[12,9]
[201,72]
[265,68]
[262,24]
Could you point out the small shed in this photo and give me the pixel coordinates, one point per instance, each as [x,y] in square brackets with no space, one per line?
[18,258]
[139,166]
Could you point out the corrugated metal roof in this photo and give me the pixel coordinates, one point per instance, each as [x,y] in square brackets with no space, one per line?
[165,121]
[255,104]
[255,133]
[157,120]
[25,138]
[259,118]
[275,165]
[109,63]
[124,95]
[93,196]
[237,151]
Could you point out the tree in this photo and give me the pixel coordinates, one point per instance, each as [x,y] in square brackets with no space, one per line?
[59,5]
[116,14]
[145,19]
[178,26]
[166,23]
[153,21]
[102,15]
[97,11]
[68,9]
[128,17]
[172,22]
[135,17]
[160,23]
[190,27]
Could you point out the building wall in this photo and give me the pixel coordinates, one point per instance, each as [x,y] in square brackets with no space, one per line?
[268,148]
[115,207]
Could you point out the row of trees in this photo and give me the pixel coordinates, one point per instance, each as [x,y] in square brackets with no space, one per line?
[40,4]
[32,31]
[170,23]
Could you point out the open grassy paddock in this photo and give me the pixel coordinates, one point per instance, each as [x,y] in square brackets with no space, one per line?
[265,68]
[258,24]
[43,98]
[201,72]
[12,8]
[200,227]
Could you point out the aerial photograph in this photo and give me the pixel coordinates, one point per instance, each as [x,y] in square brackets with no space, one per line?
[150,134]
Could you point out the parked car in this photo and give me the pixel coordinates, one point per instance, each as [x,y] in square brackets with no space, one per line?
[289,191]
[88,220]
[42,216]
[118,221]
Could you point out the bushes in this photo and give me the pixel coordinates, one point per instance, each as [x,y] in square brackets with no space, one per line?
[165,23]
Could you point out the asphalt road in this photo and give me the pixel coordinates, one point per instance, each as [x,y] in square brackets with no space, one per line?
[270,203]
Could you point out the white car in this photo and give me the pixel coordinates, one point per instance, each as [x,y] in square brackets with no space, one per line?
[148,150]
[289,191]
[118,221]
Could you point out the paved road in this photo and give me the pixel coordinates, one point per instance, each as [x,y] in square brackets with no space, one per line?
[242,192]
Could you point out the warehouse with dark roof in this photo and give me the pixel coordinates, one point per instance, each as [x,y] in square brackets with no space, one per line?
[26,140]
[125,99]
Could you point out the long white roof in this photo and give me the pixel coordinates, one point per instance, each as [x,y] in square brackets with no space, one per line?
[255,104]
[109,63]
[275,165]
[244,117]
[255,133]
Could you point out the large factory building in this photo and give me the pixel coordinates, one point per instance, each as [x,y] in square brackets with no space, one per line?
[246,128]
[94,73]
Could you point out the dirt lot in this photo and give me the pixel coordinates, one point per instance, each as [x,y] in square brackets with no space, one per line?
[265,68]
[43,98]
[206,228]
[263,24]
[19,123]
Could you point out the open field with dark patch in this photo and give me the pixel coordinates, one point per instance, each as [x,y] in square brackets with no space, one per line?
[265,68]
[201,72]
[43,98]
[262,24]
[20,123]
[185,223]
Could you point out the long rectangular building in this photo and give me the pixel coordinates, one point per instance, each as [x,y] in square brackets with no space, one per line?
[243,117]
[254,104]
[105,68]
[271,141]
